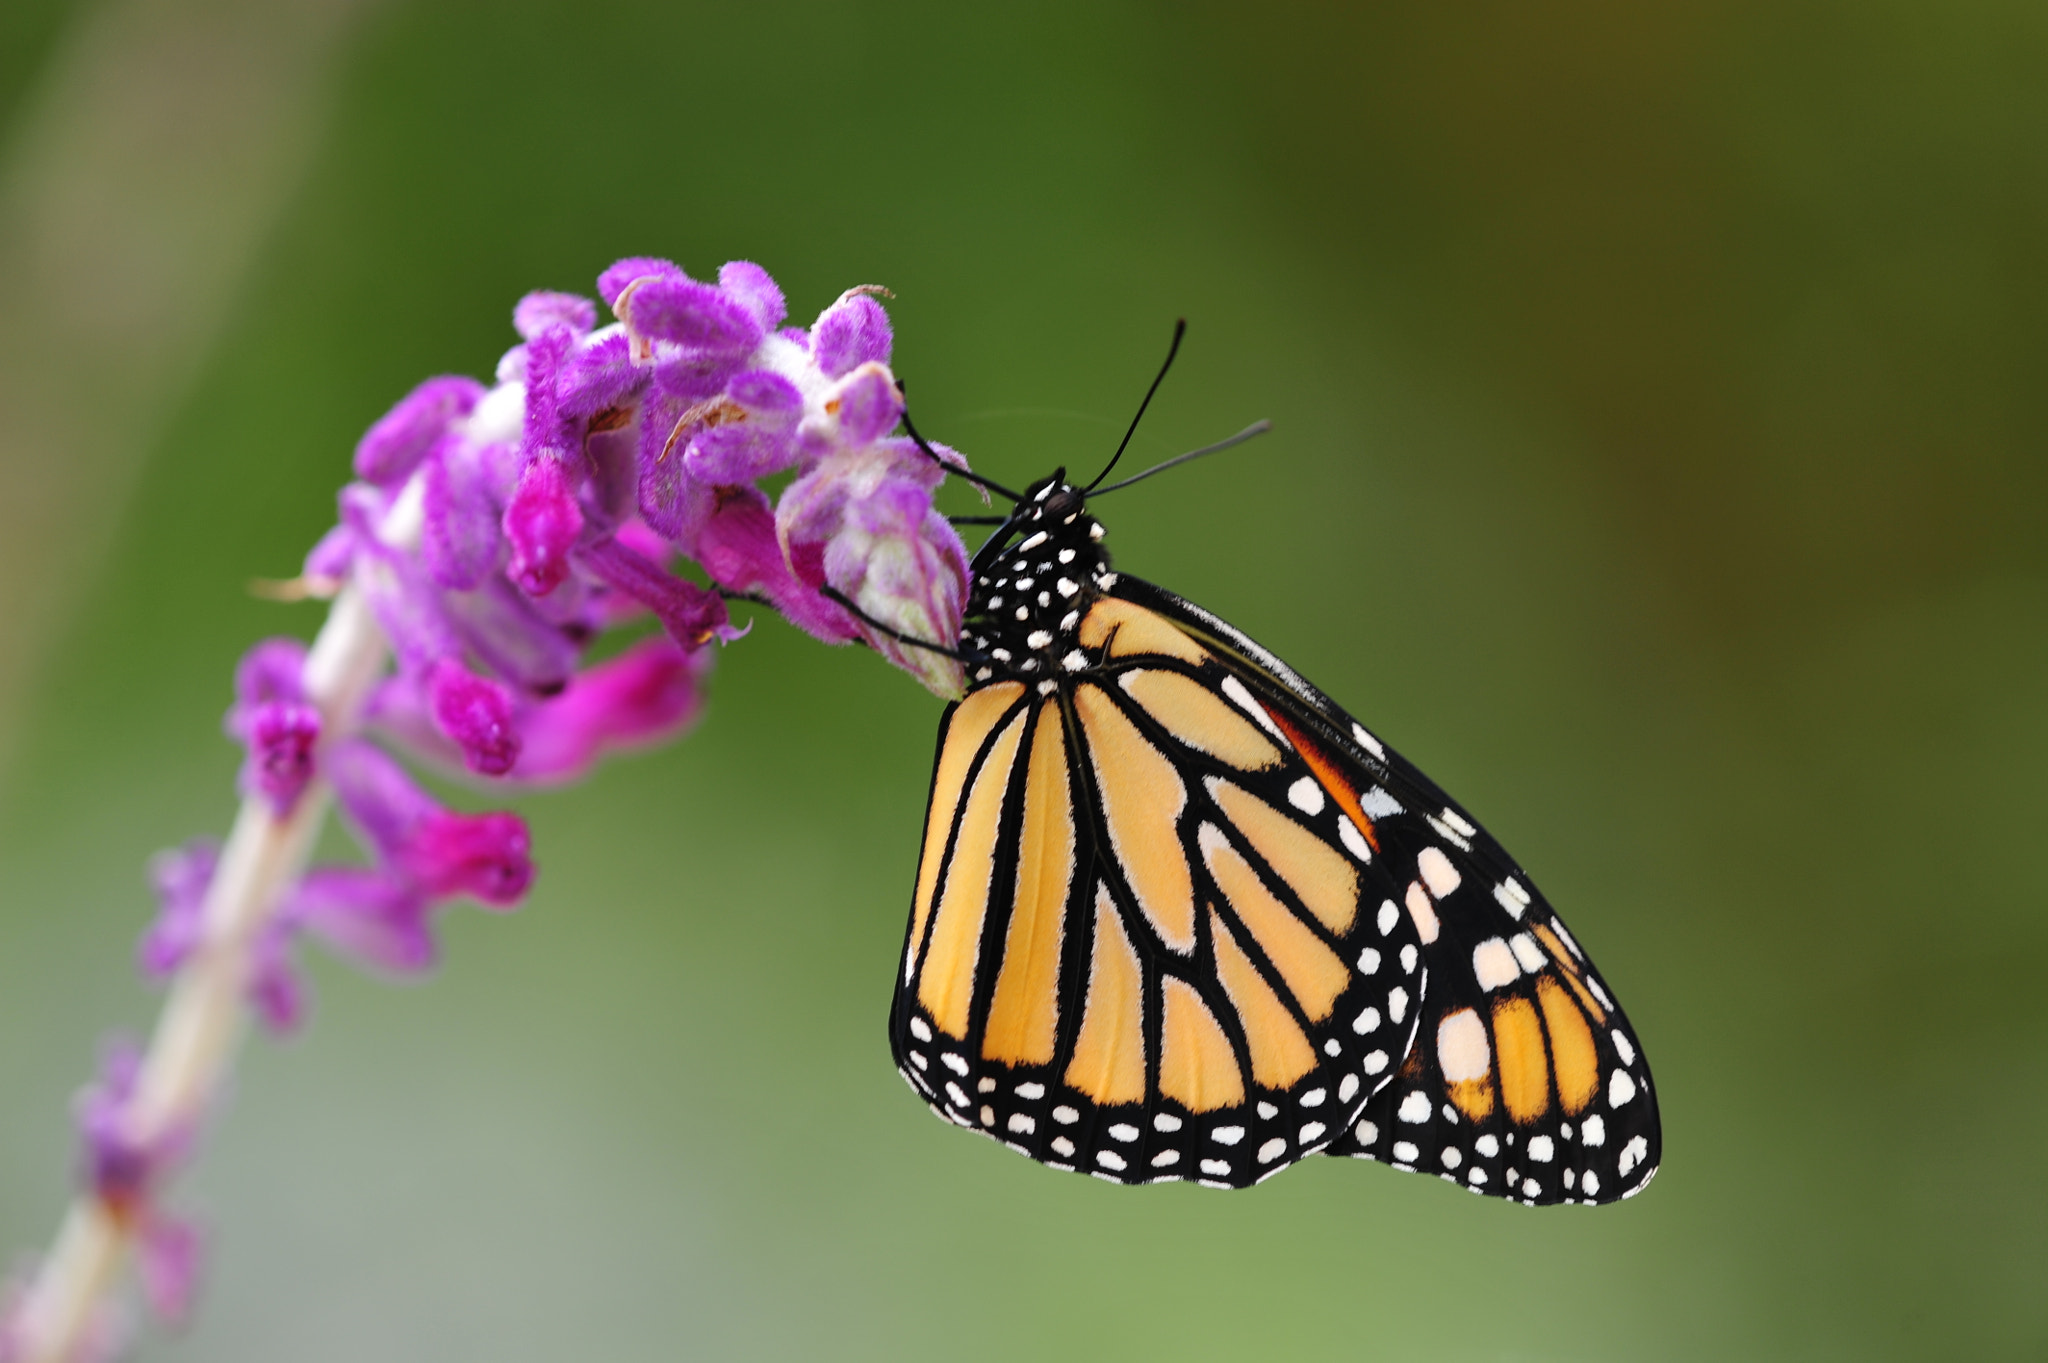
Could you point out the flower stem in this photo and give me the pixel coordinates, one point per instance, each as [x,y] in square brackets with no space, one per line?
[205,1015]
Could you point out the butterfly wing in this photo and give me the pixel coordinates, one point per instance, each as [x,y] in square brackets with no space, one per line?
[1525,1080]
[1142,943]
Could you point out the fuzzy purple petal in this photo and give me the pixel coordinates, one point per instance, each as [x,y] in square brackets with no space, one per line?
[692,615]
[281,737]
[868,404]
[739,549]
[392,448]
[692,315]
[850,333]
[600,375]
[753,288]
[384,803]
[514,636]
[541,309]
[613,281]
[461,540]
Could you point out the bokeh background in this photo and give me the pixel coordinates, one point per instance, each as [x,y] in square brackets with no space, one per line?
[1659,404]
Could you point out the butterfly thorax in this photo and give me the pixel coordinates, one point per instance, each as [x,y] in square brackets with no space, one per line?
[1029,596]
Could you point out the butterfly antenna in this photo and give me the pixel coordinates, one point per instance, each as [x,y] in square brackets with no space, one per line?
[933,455]
[1180,329]
[1257,428]
[845,603]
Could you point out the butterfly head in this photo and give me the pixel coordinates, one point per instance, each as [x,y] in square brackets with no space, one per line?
[1033,583]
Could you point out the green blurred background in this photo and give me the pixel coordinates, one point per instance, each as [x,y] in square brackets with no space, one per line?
[1659,401]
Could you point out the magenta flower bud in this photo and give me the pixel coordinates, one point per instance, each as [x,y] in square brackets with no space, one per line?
[739,548]
[281,739]
[651,692]
[542,524]
[755,290]
[121,1169]
[694,316]
[476,714]
[613,281]
[851,332]
[488,857]
[393,447]
[541,309]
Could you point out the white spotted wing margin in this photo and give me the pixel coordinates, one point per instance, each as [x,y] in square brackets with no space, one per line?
[1526,1080]
[1121,1022]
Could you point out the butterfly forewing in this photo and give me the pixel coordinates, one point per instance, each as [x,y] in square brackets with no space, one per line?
[1525,1079]
[1144,943]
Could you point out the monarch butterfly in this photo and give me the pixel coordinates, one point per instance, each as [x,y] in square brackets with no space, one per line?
[1179,916]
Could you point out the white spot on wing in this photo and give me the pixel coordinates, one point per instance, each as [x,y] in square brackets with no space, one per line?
[1110,1159]
[1397,1004]
[1409,956]
[1487,1145]
[1593,1131]
[1368,1021]
[1623,1047]
[1366,1132]
[1406,1152]
[1065,1115]
[1389,915]
[1541,1150]
[1031,1092]
[1437,872]
[1165,1121]
[1272,1150]
[954,1063]
[1415,1107]
[1590,1184]
[1306,796]
[1493,964]
[1375,1062]
[1632,1154]
[1422,911]
[1312,1131]
[1368,961]
[1451,1157]
[1227,1135]
[1216,1166]
[1620,1088]
[1461,1048]
[1459,822]
[1124,1131]
[919,1030]
[1527,952]
[1164,1158]
[1021,1124]
[1347,1088]
[1377,804]
[1235,689]
[1353,840]
[1062,1146]
[1368,742]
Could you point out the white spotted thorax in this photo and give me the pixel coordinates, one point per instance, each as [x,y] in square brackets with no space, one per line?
[1027,600]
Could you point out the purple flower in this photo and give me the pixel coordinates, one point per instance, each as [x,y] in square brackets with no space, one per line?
[542,523]
[539,311]
[180,878]
[852,332]
[393,448]
[439,851]
[123,1170]
[477,714]
[277,727]
[367,914]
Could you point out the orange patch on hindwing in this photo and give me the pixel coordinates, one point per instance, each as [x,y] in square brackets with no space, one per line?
[946,978]
[969,727]
[1524,1068]
[1280,1051]
[1023,1019]
[1197,1068]
[1314,974]
[1108,1063]
[1573,1054]
[1573,970]
[1327,775]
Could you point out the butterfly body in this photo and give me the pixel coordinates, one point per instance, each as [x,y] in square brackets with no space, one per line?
[1179,917]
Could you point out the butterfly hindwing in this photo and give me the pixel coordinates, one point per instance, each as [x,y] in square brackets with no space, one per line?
[1525,1080]
[1142,944]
